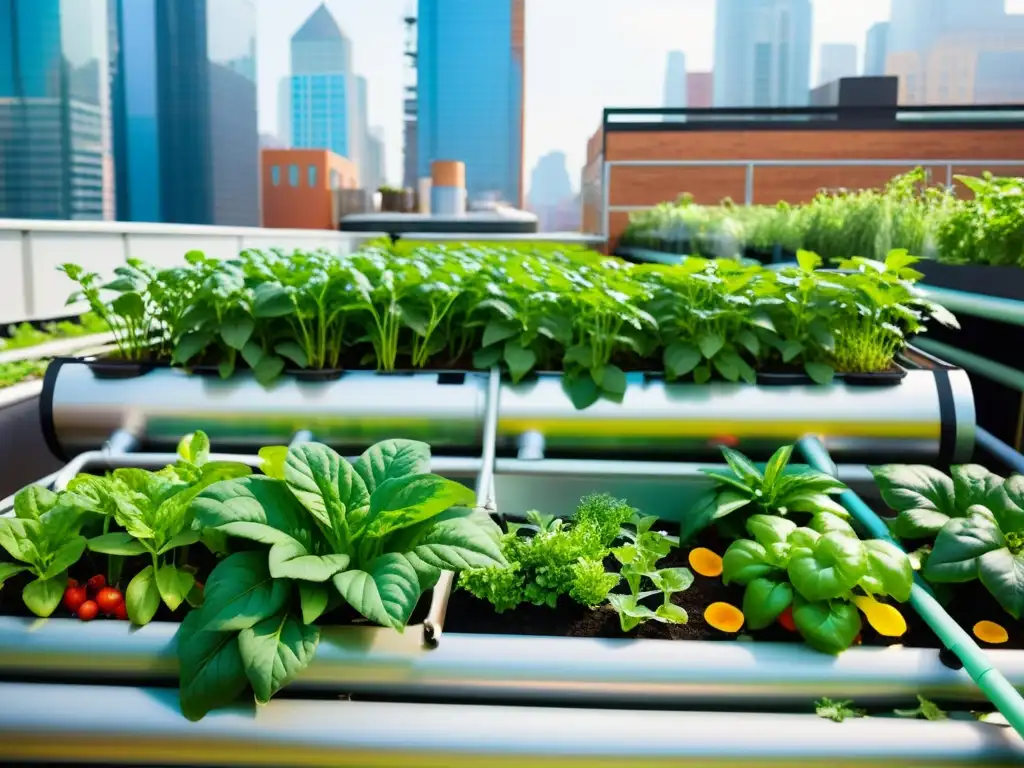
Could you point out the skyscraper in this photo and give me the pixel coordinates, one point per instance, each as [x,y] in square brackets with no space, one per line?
[876,49]
[185,131]
[325,93]
[284,110]
[375,175]
[55,135]
[470,92]
[836,60]
[762,53]
[675,83]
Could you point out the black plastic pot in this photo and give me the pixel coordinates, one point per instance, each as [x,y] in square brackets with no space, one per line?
[120,369]
[888,378]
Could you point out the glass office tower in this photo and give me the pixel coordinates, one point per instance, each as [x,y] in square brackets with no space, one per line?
[55,142]
[470,92]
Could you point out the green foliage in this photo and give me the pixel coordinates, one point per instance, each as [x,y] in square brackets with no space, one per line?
[780,489]
[527,308]
[925,709]
[837,711]
[24,335]
[549,557]
[973,519]
[21,370]
[816,569]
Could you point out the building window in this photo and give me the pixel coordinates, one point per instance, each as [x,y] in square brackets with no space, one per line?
[293,175]
[275,175]
[311,175]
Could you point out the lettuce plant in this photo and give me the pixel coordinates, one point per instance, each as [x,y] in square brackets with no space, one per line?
[780,489]
[974,520]
[44,539]
[819,570]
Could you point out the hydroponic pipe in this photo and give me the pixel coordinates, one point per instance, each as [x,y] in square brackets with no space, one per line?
[976,662]
[990,369]
[978,305]
[1005,453]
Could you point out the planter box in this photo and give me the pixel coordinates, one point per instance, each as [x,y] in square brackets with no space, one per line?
[929,416]
[142,726]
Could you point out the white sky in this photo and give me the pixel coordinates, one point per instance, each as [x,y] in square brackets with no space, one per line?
[581,55]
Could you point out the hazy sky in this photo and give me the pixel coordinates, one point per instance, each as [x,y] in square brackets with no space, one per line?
[581,55]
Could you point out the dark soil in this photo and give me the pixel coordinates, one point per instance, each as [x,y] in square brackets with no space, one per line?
[470,615]
[970,603]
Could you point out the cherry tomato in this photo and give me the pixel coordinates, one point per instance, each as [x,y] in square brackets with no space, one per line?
[87,611]
[72,583]
[108,599]
[74,597]
[121,612]
[786,619]
[97,582]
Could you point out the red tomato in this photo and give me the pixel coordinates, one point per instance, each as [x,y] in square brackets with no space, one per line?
[87,611]
[97,582]
[72,583]
[121,612]
[786,619]
[108,599]
[74,597]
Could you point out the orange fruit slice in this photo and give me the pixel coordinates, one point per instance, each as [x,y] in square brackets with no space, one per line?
[882,617]
[705,562]
[724,617]
[990,632]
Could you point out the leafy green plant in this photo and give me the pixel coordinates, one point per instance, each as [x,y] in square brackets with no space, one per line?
[819,570]
[548,558]
[837,711]
[25,335]
[780,489]
[925,709]
[373,535]
[44,539]
[639,565]
[976,518]
[21,370]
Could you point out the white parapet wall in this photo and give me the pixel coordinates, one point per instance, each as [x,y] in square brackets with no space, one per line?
[31,288]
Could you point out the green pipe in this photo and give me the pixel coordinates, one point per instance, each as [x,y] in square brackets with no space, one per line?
[990,307]
[973,363]
[976,663]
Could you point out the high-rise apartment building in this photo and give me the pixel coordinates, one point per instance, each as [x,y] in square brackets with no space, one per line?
[325,93]
[374,177]
[185,130]
[284,110]
[836,60]
[55,111]
[675,83]
[470,92]
[876,49]
[762,53]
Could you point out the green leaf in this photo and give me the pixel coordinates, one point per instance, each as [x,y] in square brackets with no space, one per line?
[385,593]
[790,350]
[257,508]
[42,596]
[631,613]
[959,545]
[195,448]
[268,369]
[611,379]
[271,300]
[764,599]
[820,373]
[973,484]
[889,571]
[918,523]
[237,330]
[803,537]
[582,390]
[142,598]
[520,359]
[274,652]
[827,626]
[770,529]
[671,580]
[292,351]
[129,306]
[680,359]
[922,491]
[580,354]
[487,357]
[291,560]
[240,593]
[1007,504]
[808,260]
[174,585]
[325,484]
[253,354]
[190,345]
[499,330]
[183,539]
[455,540]
[710,343]
[210,668]
[727,363]
[67,554]
[404,501]
[745,561]
[30,503]
[313,599]
[272,461]
[776,464]
[826,522]
[1002,573]
[830,570]
[742,466]
[7,570]
[391,459]
[670,613]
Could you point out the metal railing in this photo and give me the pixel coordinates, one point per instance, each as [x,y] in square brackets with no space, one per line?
[750,166]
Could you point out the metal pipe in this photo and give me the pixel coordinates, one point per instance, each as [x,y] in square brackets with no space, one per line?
[433,625]
[301,436]
[990,369]
[976,663]
[543,670]
[976,304]
[531,446]
[120,441]
[140,726]
[1000,450]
